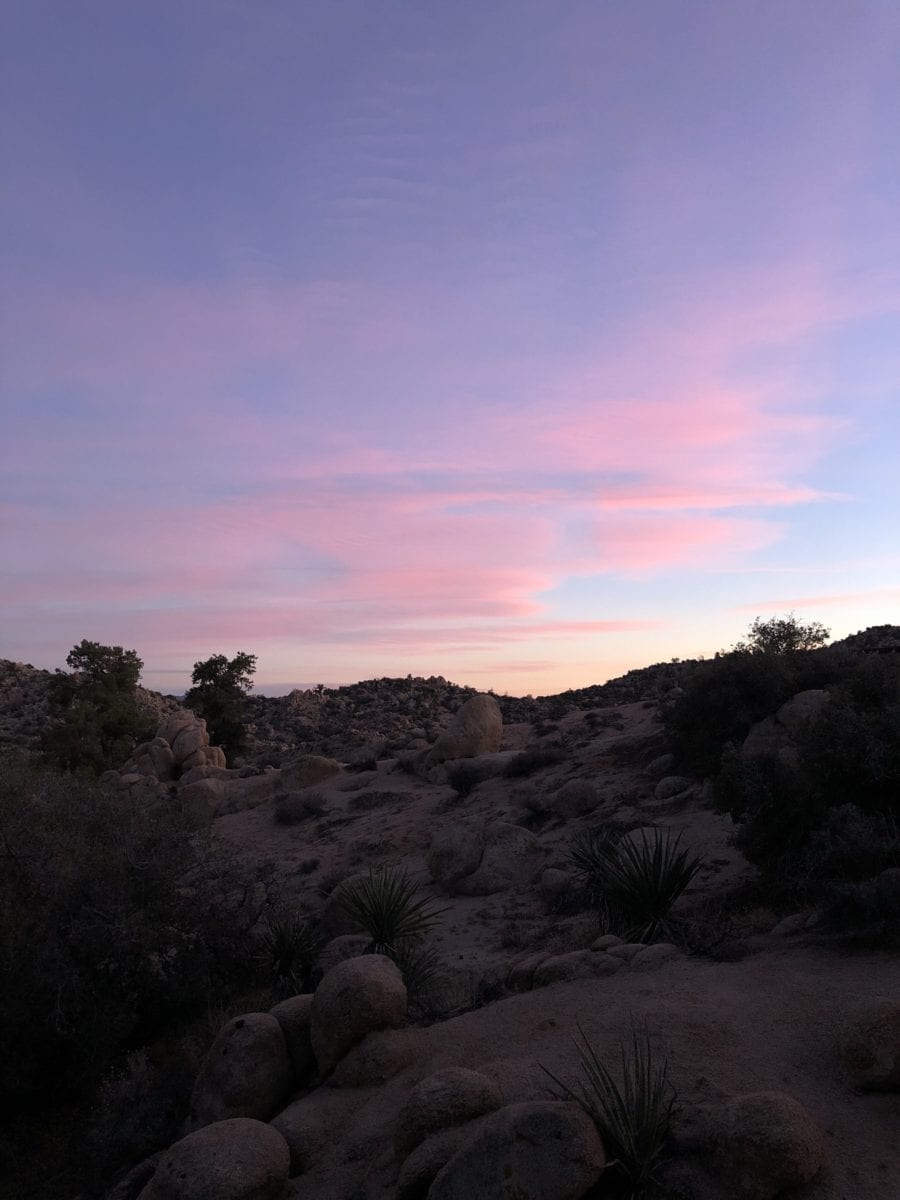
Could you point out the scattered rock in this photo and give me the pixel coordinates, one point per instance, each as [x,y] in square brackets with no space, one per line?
[533,1151]
[239,1159]
[247,1072]
[307,771]
[576,798]
[356,997]
[653,956]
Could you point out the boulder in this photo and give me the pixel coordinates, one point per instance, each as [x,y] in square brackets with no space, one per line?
[870,1053]
[442,1100]
[377,1058]
[312,1124]
[174,723]
[476,728]
[293,1015]
[671,785]
[306,771]
[513,858]
[535,1151]
[339,949]
[356,997]
[455,852]
[422,1166]
[576,798]
[238,1159]
[189,740]
[654,956]
[759,1145]
[247,1072]
[802,710]
[478,859]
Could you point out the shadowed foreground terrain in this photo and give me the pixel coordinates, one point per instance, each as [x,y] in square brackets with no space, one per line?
[208,990]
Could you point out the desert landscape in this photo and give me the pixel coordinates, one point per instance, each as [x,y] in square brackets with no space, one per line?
[415,945]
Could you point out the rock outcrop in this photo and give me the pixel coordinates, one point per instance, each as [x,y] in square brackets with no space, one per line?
[477,728]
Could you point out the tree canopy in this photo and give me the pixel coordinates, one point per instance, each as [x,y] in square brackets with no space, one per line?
[783,635]
[220,688]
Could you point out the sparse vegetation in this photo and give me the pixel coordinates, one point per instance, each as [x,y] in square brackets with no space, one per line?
[386,905]
[637,883]
[633,1117]
[531,761]
[289,945]
[294,807]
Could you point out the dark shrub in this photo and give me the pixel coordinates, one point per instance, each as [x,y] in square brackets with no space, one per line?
[114,921]
[463,776]
[530,761]
[295,807]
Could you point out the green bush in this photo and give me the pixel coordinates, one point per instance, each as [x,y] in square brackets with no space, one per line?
[115,920]
[794,809]
[95,721]
[219,693]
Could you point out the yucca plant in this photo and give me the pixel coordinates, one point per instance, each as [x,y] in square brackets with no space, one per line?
[633,1117]
[386,905]
[638,882]
[288,948]
[420,967]
[588,854]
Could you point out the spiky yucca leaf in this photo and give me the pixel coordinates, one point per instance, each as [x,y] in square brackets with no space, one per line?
[588,852]
[632,1118]
[386,905]
[639,882]
[420,967]
[288,947]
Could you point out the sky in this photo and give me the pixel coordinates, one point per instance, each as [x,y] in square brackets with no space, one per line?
[520,342]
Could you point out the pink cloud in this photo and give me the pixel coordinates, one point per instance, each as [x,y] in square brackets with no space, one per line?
[848,599]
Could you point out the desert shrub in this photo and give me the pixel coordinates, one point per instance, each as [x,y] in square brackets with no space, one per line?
[289,945]
[632,1117]
[463,776]
[783,635]
[637,883]
[115,920]
[789,805]
[386,905]
[294,807]
[530,761]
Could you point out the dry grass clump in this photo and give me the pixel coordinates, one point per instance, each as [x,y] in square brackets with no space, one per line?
[294,807]
[530,761]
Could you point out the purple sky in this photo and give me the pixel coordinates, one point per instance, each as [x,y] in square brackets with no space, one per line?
[519,342]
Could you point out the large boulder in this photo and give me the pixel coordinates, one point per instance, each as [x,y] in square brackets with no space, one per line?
[312,1124]
[247,1072]
[355,998]
[870,1053]
[307,771]
[446,1098]
[480,859]
[476,728]
[535,1151]
[294,1015]
[759,1145]
[239,1159]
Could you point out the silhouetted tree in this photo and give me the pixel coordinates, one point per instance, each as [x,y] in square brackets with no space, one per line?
[783,635]
[97,721]
[221,686]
